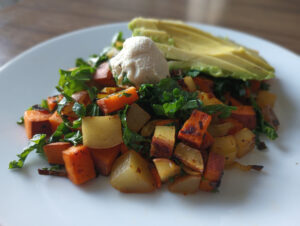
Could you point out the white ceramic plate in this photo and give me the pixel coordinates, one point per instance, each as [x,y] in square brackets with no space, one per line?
[271,197]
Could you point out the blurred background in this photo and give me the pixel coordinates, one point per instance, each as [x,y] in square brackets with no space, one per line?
[24,23]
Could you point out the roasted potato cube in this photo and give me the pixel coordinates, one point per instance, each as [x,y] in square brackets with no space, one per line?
[194,128]
[220,130]
[208,98]
[136,117]
[149,128]
[163,141]
[265,98]
[189,156]
[131,174]
[79,164]
[185,185]
[225,146]
[245,140]
[166,168]
[102,131]
[189,82]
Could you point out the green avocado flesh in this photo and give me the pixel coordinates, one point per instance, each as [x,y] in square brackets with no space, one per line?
[187,47]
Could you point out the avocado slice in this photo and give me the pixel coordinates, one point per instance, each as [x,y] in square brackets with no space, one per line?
[188,47]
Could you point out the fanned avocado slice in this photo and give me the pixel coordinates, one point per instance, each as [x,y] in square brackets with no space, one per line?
[189,47]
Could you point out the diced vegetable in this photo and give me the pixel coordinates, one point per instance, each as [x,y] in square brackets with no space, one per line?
[190,171]
[225,146]
[136,117]
[208,99]
[185,185]
[237,126]
[213,172]
[54,152]
[189,156]
[123,148]
[245,140]
[166,168]
[208,140]
[131,174]
[103,75]
[220,130]
[204,85]
[52,102]
[102,131]
[149,128]
[163,141]
[270,117]
[189,82]
[37,122]
[265,98]
[155,175]
[79,164]
[104,158]
[246,115]
[55,120]
[194,128]
[118,100]
[82,97]
[255,86]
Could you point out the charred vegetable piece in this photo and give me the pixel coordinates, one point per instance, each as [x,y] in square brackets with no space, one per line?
[166,168]
[131,174]
[118,100]
[163,141]
[104,158]
[54,152]
[55,120]
[194,128]
[189,156]
[103,75]
[37,122]
[52,102]
[187,184]
[155,175]
[204,85]
[213,172]
[246,115]
[79,164]
[102,131]
[207,141]
[225,146]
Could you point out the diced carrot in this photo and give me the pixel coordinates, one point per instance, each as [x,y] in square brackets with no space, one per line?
[55,120]
[124,148]
[103,75]
[255,86]
[205,85]
[52,102]
[104,158]
[194,128]
[246,115]
[208,140]
[37,121]
[213,172]
[54,151]
[118,100]
[79,164]
[155,175]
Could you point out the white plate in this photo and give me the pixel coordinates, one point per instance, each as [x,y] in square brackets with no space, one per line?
[271,197]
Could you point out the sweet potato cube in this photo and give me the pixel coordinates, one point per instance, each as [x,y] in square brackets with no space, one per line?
[194,128]
[54,152]
[246,115]
[79,164]
[208,140]
[136,117]
[36,122]
[203,84]
[213,172]
[82,97]
[163,141]
[52,101]
[104,158]
[103,75]
[55,120]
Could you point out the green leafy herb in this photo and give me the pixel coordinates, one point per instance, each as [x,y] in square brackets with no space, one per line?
[262,126]
[193,73]
[79,109]
[44,104]
[95,60]
[74,137]
[117,38]
[93,110]
[20,121]
[224,110]
[81,62]
[59,132]
[35,144]
[125,80]
[125,94]
[130,138]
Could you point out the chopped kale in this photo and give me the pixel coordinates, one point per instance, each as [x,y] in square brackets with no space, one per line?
[20,121]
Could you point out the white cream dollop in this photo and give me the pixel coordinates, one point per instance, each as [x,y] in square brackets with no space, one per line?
[141,61]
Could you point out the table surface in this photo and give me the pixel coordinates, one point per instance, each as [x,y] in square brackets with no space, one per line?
[30,22]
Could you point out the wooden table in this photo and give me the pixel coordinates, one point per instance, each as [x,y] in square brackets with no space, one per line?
[32,21]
